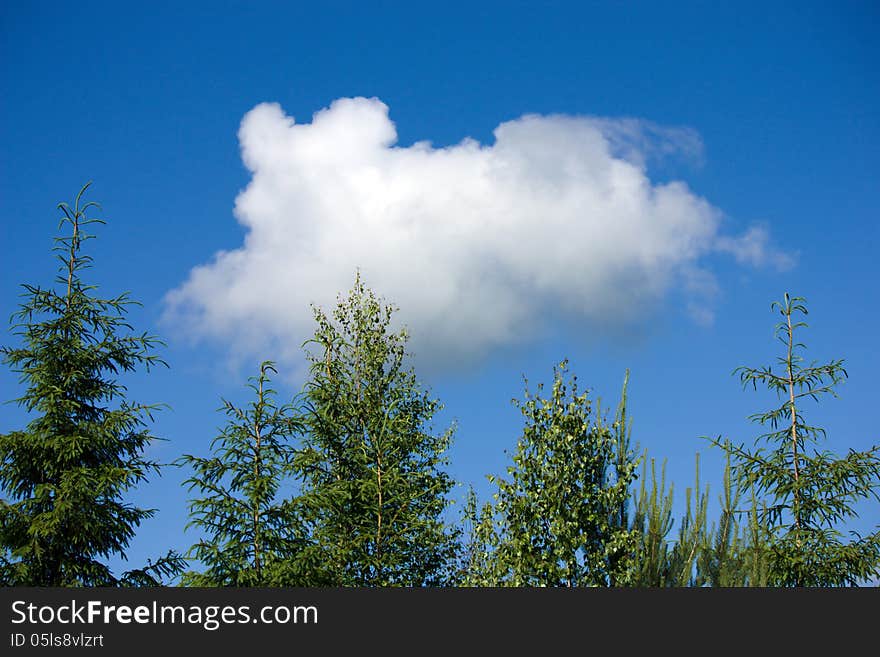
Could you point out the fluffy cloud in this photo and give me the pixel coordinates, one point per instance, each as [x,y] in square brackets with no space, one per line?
[753,248]
[475,243]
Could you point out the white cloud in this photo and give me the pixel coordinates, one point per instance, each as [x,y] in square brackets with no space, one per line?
[754,248]
[475,243]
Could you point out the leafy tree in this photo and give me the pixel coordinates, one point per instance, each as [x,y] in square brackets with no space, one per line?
[805,494]
[374,489]
[66,473]
[252,535]
[559,513]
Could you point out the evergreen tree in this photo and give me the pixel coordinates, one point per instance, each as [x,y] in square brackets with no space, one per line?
[478,558]
[727,554]
[374,489]
[559,513]
[652,519]
[66,473]
[252,535]
[733,555]
[660,561]
[805,494]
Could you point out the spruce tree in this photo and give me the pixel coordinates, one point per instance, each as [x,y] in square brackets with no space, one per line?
[374,486]
[65,475]
[805,495]
[559,513]
[251,533]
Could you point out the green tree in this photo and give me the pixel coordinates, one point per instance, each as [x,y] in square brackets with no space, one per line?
[652,519]
[805,494]
[661,562]
[733,554]
[374,488]
[725,554]
[478,553]
[66,473]
[559,513]
[252,536]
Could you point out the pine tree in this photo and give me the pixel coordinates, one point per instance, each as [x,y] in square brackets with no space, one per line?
[733,555]
[478,555]
[727,554]
[559,513]
[662,562]
[653,521]
[805,495]
[374,488]
[66,473]
[252,534]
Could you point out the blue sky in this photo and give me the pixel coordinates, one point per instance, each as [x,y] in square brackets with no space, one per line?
[737,147]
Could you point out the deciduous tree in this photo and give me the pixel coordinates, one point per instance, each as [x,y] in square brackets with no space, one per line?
[374,485]
[559,513]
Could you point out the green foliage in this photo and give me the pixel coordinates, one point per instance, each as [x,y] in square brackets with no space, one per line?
[252,536]
[804,494]
[661,562]
[558,516]
[66,473]
[374,491]
[733,555]
[361,500]
[653,520]
[478,565]
[726,554]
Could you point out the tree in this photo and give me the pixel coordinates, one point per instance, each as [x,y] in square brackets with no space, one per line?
[805,494]
[66,473]
[652,519]
[252,535]
[659,561]
[733,554]
[478,563]
[727,554]
[374,489]
[559,513]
